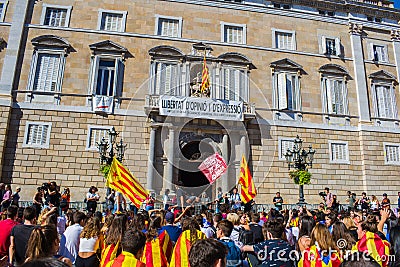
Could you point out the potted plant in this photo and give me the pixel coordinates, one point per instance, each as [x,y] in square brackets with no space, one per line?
[300,177]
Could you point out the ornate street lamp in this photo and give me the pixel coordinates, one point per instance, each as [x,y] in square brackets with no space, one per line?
[299,159]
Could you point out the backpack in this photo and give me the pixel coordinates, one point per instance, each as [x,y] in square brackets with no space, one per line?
[63,202]
[246,237]
[233,258]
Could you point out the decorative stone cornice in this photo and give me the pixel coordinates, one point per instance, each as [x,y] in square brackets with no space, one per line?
[355,28]
[395,35]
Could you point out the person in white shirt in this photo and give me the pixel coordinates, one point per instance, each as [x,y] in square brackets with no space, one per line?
[91,199]
[69,244]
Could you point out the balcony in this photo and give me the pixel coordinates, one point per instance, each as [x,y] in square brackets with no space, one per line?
[152,105]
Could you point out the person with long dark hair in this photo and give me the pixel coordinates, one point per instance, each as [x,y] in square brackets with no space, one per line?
[340,233]
[306,225]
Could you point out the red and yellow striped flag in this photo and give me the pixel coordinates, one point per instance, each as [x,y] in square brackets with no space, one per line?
[126,259]
[375,246]
[157,252]
[108,254]
[312,258]
[121,179]
[180,256]
[248,190]
[205,77]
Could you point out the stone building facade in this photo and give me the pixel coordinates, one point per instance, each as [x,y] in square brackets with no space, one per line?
[327,71]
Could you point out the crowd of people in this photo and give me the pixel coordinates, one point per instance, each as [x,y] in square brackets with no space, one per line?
[178,235]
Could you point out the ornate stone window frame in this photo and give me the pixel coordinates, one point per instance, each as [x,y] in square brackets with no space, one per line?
[293,33]
[169,55]
[52,45]
[384,78]
[107,50]
[290,67]
[334,72]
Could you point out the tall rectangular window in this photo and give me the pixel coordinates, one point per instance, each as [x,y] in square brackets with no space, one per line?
[339,152]
[335,96]
[287,86]
[3,5]
[166,78]
[379,53]
[234,82]
[284,40]
[168,27]
[55,15]
[233,34]
[385,101]
[47,72]
[330,46]
[105,78]
[37,134]
[392,153]
[110,20]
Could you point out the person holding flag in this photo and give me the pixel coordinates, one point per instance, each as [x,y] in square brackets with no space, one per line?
[248,190]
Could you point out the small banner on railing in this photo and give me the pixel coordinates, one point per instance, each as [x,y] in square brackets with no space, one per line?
[213,167]
[103,103]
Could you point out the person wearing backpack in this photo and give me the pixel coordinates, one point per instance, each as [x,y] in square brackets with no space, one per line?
[224,230]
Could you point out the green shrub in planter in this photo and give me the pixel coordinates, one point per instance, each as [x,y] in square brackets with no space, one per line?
[300,177]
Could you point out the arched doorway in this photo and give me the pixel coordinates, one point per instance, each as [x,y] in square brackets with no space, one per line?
[193,180]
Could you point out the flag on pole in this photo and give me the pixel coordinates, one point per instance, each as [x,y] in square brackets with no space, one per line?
[248,190]
[205,77]
[121,179]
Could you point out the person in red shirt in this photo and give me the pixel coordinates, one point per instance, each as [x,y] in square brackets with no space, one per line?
[6,227]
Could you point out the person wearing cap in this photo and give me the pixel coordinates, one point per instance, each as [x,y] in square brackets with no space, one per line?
[385,201]
[173,231]
[15,197]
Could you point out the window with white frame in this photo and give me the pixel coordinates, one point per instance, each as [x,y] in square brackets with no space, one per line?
[385,100]
[284,39]
[284,145]
[234,84]
[339,152]
[55,15]
[378,53]
[95,135]
[166,78]
[234,33]
[3,7]
[392,153]
[107,74]
[112,20]
[335,95]
[330,46]
[169,26]
[37,134]
[288,91]
[47,73]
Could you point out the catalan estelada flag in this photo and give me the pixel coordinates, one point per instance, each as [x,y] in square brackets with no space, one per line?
[126,259]
[376,247]
[108,254]
[180,256]
[121,179]
[313,258]
[205,77]
[157,252]
[248,189]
